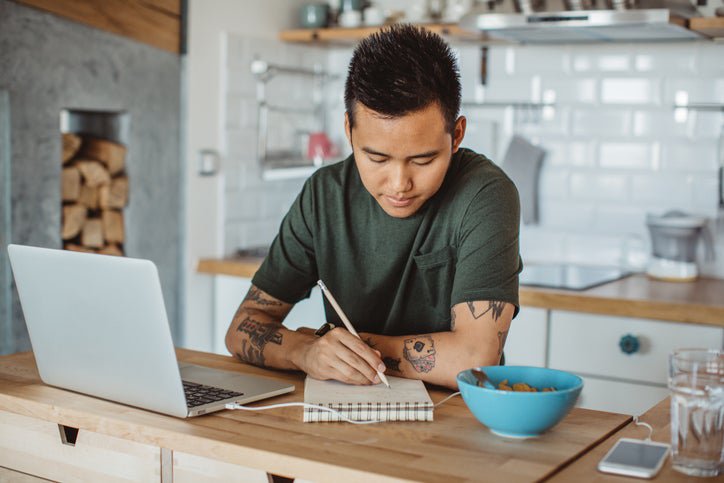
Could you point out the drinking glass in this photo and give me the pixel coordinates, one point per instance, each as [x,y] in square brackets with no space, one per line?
[696,380]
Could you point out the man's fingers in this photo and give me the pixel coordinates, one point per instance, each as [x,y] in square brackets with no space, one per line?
[351,359]
[371,356]
[349,374]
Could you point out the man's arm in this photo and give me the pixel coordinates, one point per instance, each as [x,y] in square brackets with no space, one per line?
[256,336]
[477,336]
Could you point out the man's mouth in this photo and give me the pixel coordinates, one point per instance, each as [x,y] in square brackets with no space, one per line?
[398,202]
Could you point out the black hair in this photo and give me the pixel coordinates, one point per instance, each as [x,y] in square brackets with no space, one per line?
[402,69]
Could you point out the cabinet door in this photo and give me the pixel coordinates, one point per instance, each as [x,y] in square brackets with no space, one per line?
[619,397]
[526,342]
[590,344]
[35,447]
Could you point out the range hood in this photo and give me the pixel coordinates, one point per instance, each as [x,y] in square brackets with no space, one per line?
[576,21]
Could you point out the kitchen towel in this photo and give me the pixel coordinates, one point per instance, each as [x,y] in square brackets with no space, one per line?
[522,163]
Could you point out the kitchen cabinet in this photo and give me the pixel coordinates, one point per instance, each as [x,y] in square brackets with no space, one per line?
[622,348]
[623,361]
[527,340]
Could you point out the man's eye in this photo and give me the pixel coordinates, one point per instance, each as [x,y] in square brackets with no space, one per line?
[424,162]
[377,160]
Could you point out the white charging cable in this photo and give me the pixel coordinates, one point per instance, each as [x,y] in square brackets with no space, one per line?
[315,406]
[304,405]
[447,398]
[646,425]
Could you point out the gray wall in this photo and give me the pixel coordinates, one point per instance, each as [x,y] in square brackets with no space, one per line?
[48,64]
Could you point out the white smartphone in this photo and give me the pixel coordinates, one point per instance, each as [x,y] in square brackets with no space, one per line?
[635,457]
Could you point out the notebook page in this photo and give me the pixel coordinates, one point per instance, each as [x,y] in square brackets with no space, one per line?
[334,392]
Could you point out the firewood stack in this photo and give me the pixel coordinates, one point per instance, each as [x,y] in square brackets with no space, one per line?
[94,192]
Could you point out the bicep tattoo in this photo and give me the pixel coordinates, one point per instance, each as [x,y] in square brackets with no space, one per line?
[495,307]
[420,352]
[502,335]
[258,335]
[452,319]
[258,297]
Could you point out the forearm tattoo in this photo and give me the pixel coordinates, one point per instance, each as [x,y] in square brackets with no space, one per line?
[420,352]
[258,335]
[392,364]
[494,306]
[257,296]
[501,340]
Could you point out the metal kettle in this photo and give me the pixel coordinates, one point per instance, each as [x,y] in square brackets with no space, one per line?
[675,239]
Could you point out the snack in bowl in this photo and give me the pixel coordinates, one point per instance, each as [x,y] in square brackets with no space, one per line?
[519,414]
[521,387]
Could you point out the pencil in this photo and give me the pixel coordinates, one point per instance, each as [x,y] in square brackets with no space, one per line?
[346,321]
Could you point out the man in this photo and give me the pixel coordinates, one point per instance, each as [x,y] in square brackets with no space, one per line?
[416,237]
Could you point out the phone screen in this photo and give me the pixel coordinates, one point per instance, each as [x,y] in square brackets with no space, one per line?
[637,454]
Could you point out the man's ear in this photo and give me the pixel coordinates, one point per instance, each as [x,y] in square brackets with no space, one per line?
[347,128]
[459,133]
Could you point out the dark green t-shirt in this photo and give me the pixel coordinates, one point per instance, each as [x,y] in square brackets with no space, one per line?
[399,276]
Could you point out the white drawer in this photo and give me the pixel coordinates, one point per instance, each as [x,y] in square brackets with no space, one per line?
[526,342]
[34,446]
[619,397]
[188,468]
[589,344]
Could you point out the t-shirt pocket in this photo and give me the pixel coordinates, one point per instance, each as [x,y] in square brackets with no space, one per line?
[437,272]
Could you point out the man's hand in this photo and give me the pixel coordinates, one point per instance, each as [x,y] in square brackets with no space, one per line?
[342,356]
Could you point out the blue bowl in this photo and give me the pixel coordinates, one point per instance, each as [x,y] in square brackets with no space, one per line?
[520,414]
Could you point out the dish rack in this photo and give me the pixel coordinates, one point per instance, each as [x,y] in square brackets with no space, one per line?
[292,162]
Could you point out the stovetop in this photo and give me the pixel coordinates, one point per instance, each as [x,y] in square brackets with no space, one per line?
[569,276]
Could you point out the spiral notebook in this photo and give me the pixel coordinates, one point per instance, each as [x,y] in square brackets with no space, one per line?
[404,400]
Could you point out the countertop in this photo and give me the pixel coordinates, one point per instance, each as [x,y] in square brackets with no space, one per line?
[698,302]
[455,447]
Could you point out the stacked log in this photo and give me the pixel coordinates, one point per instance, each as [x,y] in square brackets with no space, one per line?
[94,193]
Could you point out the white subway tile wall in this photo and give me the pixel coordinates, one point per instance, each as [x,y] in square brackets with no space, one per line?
[616,147]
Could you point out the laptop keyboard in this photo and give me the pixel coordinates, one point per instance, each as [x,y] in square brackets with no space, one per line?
[198,394]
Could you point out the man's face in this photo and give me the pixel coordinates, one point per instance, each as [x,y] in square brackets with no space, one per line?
[403,160]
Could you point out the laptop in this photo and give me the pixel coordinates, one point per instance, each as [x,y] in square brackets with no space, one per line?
[98,326]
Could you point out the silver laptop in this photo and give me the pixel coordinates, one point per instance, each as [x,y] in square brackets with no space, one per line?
[98,326]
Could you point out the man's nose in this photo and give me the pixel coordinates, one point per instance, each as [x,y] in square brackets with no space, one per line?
[401,180]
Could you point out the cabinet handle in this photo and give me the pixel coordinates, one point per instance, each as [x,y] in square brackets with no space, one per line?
[629,344]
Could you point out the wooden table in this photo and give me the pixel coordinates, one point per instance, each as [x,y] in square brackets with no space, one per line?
[584,468]
[698,302]
[455,447]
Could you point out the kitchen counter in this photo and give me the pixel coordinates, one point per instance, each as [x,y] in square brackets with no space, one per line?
[698,302]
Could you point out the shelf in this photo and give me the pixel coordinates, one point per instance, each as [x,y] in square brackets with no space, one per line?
[352,35]
[701,107]
[709,26]
[712,27]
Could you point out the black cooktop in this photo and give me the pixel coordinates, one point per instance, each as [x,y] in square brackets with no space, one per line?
[569,276]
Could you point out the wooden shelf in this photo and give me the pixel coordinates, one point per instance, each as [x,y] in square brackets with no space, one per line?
[710,26]
[340,35]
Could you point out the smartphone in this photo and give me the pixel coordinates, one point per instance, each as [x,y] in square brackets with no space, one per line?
[635,457]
